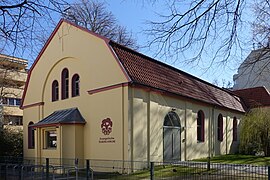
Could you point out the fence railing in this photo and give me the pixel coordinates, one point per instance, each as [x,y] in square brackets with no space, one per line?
[39,168]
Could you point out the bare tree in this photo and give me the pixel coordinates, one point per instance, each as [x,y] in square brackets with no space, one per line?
[261,24]
[198,25]
[22,22]
[94,16]
[255,70]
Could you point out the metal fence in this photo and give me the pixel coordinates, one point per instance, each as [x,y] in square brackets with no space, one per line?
[34,168]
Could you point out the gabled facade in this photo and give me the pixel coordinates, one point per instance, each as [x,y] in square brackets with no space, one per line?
[88,97]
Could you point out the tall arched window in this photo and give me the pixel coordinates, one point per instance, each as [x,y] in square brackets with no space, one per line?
[220,128]
[55,91]
[234,129]
[31,136]
[75,85]
[200,126]
[65,82]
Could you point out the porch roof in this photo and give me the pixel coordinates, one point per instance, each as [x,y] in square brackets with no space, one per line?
[65,116]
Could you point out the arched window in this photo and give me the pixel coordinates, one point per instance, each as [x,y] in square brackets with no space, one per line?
[200,126]
[55,91]
[31,136]
[172,119]
[75,85]
[65,82]
[234,129]
[220,128]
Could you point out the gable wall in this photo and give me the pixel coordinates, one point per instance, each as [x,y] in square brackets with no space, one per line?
[91,58]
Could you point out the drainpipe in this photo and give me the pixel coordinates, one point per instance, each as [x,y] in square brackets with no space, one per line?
[123,126]
[213,132]
[185,132]
[148,128]
[226,130]
[131,127]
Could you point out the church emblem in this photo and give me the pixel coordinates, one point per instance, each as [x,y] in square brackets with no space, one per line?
[106,126]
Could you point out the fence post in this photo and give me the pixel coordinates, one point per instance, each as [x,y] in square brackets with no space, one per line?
[6,171]
[47,168]
[208,163]
[87,169]
[76,167]
[152,170]
[268,172]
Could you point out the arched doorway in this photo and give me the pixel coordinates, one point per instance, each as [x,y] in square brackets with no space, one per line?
[171,137]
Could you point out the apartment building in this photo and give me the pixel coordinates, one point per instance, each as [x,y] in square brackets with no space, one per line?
[13,74]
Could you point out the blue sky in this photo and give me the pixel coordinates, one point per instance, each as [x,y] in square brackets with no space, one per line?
[134,14]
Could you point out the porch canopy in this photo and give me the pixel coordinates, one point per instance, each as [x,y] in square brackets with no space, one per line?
[65,116]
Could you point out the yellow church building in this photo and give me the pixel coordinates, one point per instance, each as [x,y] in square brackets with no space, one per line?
[88,97]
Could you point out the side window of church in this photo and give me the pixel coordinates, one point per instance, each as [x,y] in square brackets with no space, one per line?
[234,129]
[31,136]
[65,82]
[200,126]
[75,85]
[55,91]
[220,128]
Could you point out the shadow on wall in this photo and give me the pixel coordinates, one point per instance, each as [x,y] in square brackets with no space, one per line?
[234,147]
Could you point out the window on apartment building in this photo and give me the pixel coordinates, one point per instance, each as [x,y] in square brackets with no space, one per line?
[220,128]
[31,136]
[11,101]
[65,82]
[200,126]
[55,91]
[234,129]
[13,120]
[75,85]
[50,139]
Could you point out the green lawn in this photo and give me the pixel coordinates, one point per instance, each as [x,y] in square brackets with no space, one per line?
[161,171]
[238,159]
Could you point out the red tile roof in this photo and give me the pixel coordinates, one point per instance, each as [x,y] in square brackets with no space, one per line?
[254,97]
[146,71]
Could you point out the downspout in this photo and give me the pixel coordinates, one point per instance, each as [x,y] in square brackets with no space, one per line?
[131,128]
[213,131]
[39,133]
[148,128]
[209,132]
[123,127]
[185,132]
[226,130]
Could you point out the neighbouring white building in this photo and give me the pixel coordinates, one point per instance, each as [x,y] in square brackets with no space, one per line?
[254,71]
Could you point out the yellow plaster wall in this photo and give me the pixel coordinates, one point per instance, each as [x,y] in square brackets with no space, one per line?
[78,51]
[196,149]
[89,57]
[100,106]
[29,114]
[72,141]
[146,104]
[159,107]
